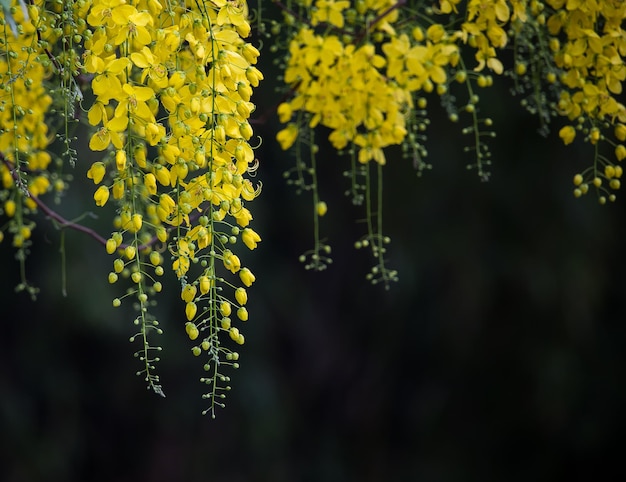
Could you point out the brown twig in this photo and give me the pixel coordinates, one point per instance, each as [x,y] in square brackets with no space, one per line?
[61,221]
[65,223]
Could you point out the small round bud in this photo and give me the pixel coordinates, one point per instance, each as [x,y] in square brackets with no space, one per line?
[111,246]
[130,252]
[155,258]
[192,330]
[242,314]
[321,208]
[118,265]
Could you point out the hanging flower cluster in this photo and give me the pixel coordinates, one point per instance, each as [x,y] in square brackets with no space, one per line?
[172,88]
[589,46]
[171,84]
[26,168]
[363,69]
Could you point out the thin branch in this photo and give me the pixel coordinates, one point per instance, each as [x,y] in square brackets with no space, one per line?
[62,222]
[65,223]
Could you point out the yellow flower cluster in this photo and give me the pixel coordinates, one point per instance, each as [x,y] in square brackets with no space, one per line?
[588,44]
[172,85]
[361,95]
[484,30]
[24,137]
[590,56]
[176,80]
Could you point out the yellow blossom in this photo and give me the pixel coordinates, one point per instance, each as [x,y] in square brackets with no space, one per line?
[241,296]
[101,196]
[287,136]
[247,277]
[567,133]
[250,238]
[96,172]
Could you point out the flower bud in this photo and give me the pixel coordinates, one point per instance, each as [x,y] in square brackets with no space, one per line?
[241,296]
[247,277]
[192,330]
[188,293]
[205,284]
[111,246]
[242,314]
[101,196]
[190,310]
[120,160]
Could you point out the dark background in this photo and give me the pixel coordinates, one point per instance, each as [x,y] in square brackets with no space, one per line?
[498,355]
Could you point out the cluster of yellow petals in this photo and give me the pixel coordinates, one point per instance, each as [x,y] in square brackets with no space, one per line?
[483,30]
[362,91]
[589,45]
[24,136]
[172,85]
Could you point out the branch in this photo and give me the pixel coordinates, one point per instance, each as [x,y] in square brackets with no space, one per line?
[65,223]
[62,222]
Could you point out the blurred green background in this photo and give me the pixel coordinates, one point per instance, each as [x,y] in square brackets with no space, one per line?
[498,355]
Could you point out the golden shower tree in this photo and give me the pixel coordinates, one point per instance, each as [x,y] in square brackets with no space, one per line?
[165,89]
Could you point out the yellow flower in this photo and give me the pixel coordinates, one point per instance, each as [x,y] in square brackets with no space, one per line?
[133,25]
[111,246]
[250,238]
[188,293]
[205,284]
[225,308]
[567,133]
[287,136]
[107,85]
[103,138]
[190,310]
[192,330]
[9,208]
[96,172]
[241,296]
[284,112]
[101,196]
[132,100]
[231,261]
[120,160]
[329,11]
[242,314]
[233,13]
[246,276]
[149,180]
